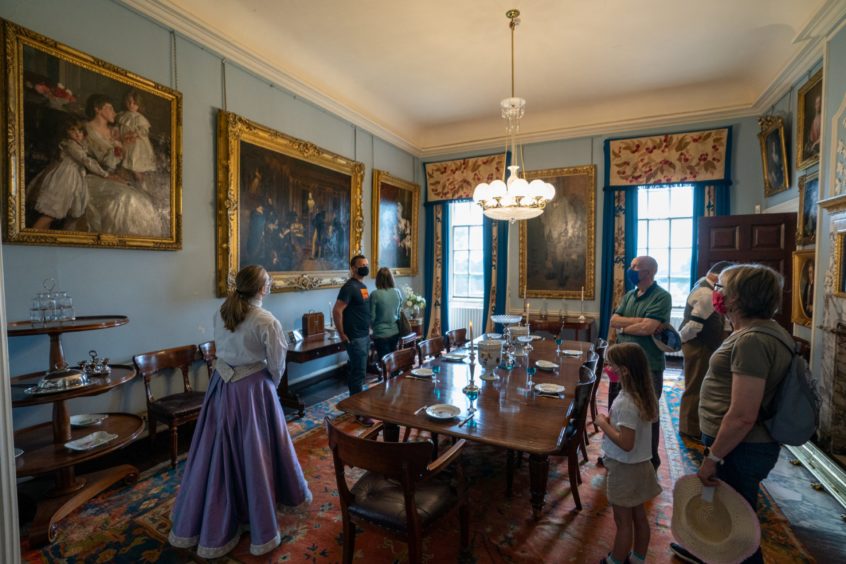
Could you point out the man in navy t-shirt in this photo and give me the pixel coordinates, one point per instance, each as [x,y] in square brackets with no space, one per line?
[352,318]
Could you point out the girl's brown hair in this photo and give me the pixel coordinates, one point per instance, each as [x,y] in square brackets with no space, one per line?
[384,278]
[636,379]
[135,96]
[248,283]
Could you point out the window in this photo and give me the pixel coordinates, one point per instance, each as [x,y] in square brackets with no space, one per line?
[665,232]
[466,262]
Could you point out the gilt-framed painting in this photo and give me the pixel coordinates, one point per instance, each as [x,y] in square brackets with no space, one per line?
[809,121]
[395,204]
[804,264]
[285,204]
[92,151]
[773,155]
[557,248]
[809,194]
[840,264]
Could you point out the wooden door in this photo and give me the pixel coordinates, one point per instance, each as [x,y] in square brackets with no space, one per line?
[768,239]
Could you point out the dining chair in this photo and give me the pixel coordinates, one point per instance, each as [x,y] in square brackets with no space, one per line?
[456,338]
[431,348]
[408,341]
[601,347]
[402,492]
[571,440]
[397,362]
[208,353]
[174,409]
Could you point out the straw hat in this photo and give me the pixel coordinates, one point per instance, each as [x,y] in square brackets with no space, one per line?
[718,530]
[667,339]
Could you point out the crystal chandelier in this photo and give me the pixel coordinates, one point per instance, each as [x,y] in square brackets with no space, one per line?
[514,198]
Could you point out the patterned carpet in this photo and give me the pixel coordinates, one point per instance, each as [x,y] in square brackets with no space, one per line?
[130,524]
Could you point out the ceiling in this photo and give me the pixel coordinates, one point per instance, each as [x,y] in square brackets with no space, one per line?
[429,75]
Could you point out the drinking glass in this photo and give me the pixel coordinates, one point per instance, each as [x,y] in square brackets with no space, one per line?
[436,370]
[35,316]
[65,305]
[558,342]
[530,372]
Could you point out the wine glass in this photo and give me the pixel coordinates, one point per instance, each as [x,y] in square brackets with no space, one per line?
[530,372]
[436,369]
[558,342]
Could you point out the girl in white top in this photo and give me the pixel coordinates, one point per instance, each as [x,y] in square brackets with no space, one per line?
[134,129]
[631,479]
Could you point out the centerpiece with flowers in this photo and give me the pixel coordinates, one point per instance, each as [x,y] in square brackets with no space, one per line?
[413,304]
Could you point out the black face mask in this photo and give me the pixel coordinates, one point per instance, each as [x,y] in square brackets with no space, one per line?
[363,270]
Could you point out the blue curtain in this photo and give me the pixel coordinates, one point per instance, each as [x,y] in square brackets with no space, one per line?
[708,201]
[428,261]
[498,273]
[445,254]
[611,256]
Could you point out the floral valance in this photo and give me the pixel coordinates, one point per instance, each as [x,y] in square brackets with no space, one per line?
[698,156]
[455,180]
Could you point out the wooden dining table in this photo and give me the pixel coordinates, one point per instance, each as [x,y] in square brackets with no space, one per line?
[510,414]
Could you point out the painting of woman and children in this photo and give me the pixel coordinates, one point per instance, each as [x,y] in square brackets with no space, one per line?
[100,150]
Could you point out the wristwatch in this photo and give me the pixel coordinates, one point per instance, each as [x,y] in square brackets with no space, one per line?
[711,456]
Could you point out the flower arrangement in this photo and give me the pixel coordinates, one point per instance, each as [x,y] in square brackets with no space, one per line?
[412,300]
[57,96]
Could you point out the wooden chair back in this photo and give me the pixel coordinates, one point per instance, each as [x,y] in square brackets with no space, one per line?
[456,338]
[408,341]
[208,353]
[155,363]
[578,408]
[591,364]
[397,362]
[431,347]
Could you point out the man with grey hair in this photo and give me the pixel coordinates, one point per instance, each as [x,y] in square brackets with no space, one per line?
[702,331]
[642,311]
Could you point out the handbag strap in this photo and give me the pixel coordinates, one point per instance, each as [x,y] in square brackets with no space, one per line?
[399,305]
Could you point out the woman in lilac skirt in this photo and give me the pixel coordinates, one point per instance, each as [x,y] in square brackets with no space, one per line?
[242,463]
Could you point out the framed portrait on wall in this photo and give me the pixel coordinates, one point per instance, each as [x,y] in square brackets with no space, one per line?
[286,204]
[395,204]
[809,193]
[809,121]
[773,155]
[557,254]
[92,151]
[840,264]
[804,264]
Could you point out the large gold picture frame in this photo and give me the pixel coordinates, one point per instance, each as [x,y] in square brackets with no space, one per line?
[809,194]
[557,249]
[92,151]
[809,121]
[286,204]
[804,266]
[840,264]
[773,155]
[395,204]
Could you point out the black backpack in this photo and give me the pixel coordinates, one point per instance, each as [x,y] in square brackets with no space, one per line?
[793,415]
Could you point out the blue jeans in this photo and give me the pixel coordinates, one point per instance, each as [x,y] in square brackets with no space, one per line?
[744,468]
[357,350]
[385,345]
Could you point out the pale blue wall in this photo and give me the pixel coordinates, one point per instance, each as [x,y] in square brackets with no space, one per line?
[169,297]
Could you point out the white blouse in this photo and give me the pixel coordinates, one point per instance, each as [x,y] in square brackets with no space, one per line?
[257,341]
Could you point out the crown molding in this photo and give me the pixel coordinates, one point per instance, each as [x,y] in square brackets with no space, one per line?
[193,28]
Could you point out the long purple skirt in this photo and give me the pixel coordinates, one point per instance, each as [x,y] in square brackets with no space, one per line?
[241,465]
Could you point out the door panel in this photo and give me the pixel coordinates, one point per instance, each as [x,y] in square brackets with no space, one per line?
[767,239]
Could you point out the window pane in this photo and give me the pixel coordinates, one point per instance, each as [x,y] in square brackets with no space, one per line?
[679,289]
[460,261]
[682,230]
[475,241]
[460,213]
[662,255]
[459,239]
[681,201]
[460,288]
[643,202]
[659,233]
[659,202]
[642,236]
[475,214]
[477,286]
[476,263]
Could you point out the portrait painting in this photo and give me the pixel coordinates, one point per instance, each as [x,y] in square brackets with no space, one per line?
[773,155]
[284,204]
[93,151]
[803,287]
[394,235]
[809,194]
[809,121]
[557,248]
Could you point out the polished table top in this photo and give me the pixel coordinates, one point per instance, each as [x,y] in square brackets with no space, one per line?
[508,414]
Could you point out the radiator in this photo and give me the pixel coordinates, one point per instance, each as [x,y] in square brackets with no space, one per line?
[460,316]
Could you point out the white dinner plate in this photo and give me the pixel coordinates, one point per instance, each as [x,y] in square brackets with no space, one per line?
[571,352]
[422,372]
[442,411]
[549,388]
[493,336]
[87,419]
[455,357]
[545,365]
[18,452]
[94,440]
[526,338]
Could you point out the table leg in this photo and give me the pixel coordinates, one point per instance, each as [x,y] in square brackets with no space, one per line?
[538,475]
[390,432]
[288,398]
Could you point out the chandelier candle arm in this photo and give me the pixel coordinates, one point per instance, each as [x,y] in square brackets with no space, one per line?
[514,198]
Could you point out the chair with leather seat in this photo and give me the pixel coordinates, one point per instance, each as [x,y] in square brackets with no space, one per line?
[208,353]
[431,348]
[600,348]
[174,409]
[572,435]
[456,338]
[403,492]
